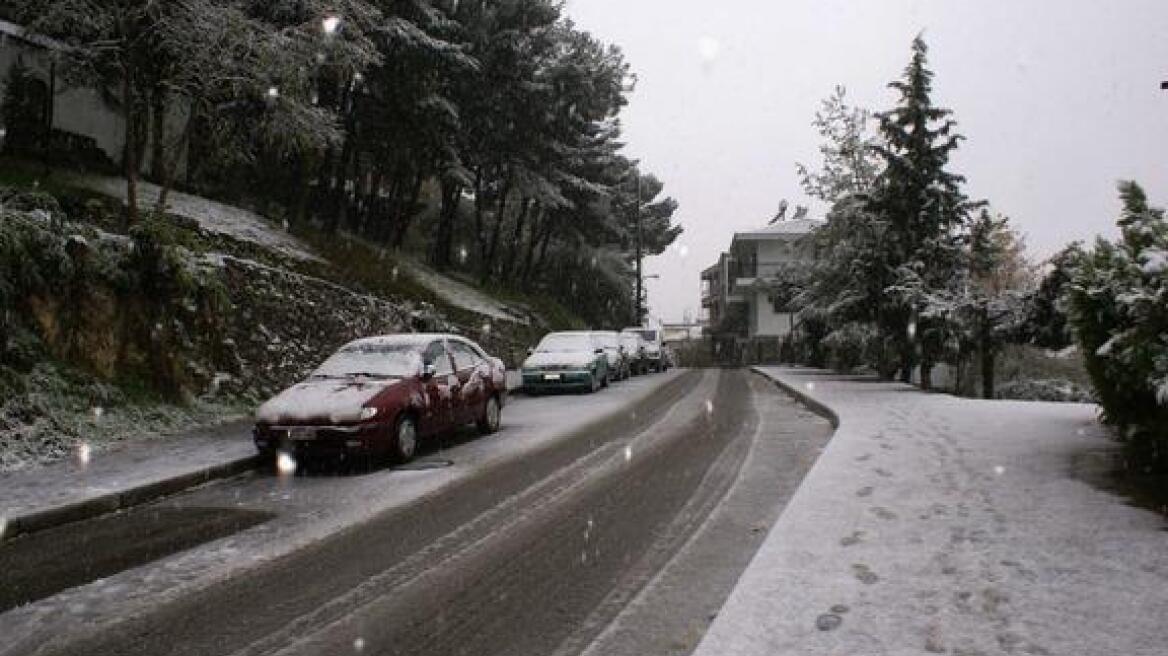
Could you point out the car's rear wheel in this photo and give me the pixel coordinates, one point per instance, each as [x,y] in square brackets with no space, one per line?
[405,439]
[492,416]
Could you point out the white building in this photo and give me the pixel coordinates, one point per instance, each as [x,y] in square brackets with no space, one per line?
[76,116]
[737,291]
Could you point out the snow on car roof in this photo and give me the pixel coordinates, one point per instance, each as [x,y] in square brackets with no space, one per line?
[402,339]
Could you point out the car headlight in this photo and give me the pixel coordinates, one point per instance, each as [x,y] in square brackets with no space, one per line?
[368,413]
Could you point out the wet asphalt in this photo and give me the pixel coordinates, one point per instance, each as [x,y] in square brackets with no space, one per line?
[515,560]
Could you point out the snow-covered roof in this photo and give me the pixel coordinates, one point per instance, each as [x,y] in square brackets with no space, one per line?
[780,230]
[17,32]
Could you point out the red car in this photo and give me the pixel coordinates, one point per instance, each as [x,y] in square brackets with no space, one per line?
[381,395]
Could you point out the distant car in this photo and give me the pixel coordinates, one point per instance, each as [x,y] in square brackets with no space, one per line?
[654,358]
[566,361]
[617,366]
[633,348]
[380,396]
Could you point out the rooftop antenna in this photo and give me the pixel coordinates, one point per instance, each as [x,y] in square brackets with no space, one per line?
[782,214]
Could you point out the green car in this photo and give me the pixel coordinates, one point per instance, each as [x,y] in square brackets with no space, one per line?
[566,361]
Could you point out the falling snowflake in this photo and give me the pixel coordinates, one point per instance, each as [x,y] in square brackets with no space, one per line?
[628,453]
[330,24]
[709,407]
[999,470]
[487,328]
[3,526]
[83,454]
[462,254]
[912,330]
[273,93]
[811,387]
[359,645]
[98,412]
[709,48]
[285,464]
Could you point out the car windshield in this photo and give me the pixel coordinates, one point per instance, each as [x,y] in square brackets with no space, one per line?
[378,361]
[565,344]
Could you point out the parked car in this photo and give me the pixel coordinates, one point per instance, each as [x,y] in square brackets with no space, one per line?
[633,348]
[380,396]
[566,361]
[654,359]
[617,366]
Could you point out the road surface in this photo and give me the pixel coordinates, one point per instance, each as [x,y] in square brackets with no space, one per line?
[561,546]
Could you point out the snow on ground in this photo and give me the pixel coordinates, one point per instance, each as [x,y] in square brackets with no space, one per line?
[107,468]
[461,295]
[934,524]
[211,216]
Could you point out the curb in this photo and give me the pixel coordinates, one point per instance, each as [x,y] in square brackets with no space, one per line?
[813,405]
[123,499]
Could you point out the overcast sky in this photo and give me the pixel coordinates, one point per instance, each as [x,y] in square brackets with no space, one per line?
[1059,99]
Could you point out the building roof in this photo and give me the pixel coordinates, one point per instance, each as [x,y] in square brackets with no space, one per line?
[17,32]
[780,230]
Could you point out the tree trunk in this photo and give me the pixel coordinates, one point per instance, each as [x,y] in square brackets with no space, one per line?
[407,212]
[129,159]
[987,358]
[302,189]
[537,227]
[500,216]
[169,165]
[510,266]
[543,247]
[480,202]
[158,132]
[444,240]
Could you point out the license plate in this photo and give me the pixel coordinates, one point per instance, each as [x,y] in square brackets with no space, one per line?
[551,376]
[302,434]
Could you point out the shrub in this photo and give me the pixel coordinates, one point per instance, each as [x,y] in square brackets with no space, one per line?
[1119,309]
[850,345]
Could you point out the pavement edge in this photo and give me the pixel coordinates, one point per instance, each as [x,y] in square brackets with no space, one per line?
[122,499]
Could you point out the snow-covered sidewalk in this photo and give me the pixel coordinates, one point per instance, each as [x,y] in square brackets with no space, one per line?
[934,524]
[131,473]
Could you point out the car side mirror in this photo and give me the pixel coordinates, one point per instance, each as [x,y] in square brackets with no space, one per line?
[531,351]
[428,371]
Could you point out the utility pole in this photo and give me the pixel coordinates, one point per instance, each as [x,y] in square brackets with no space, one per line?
[640,279]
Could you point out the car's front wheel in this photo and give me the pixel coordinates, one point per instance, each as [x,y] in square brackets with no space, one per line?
[492,416]
[405,439]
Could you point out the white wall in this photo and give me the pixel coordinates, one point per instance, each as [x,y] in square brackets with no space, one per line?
[765,322]
[80,110]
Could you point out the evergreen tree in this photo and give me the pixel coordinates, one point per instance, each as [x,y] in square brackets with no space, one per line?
[924,211]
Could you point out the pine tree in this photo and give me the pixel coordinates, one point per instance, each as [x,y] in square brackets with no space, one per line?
[924,210]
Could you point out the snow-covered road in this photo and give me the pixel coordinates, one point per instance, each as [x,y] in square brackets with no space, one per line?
[934,524]
[311,508]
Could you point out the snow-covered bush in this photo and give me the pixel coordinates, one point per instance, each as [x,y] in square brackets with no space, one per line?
[1119,309]
[1046,389]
